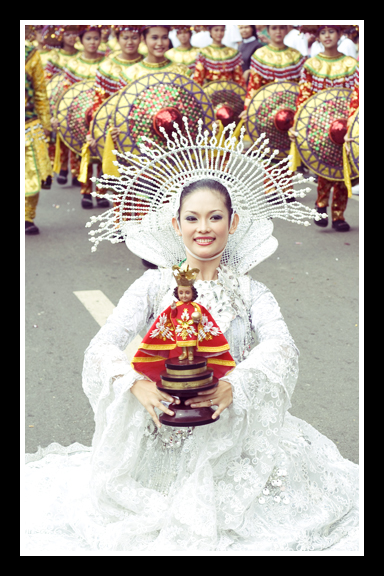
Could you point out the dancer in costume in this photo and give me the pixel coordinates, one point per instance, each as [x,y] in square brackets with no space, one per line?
[218,62]
[156,40]
[62,39]
[258,478]
[157,43]
[273,62]
[109,71]
[38,167]
[185,53]
[327,70]
[84,66]
[37,40]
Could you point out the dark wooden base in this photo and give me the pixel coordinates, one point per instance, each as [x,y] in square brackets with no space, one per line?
[185,415]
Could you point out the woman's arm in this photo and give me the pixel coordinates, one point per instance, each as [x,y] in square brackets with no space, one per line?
[105,360]
[274,361]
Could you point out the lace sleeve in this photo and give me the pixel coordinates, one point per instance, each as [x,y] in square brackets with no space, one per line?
[274,361]
[106,368]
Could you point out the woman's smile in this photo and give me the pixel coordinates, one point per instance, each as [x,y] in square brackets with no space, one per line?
[204,240]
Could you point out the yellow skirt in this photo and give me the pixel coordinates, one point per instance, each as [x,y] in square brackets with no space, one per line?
[37,163]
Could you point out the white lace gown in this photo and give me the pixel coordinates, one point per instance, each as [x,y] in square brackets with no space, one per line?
[258,479]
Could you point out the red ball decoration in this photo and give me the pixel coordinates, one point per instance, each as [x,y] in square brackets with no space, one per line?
[88,115]
[283,119]
[225,114]
[337,131]
[165,118]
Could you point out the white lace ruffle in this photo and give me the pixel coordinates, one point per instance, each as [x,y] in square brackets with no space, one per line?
[258,479]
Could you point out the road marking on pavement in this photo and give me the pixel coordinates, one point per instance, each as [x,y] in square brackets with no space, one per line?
[100,307]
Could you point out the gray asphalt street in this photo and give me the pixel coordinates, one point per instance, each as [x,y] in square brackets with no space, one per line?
[314,275]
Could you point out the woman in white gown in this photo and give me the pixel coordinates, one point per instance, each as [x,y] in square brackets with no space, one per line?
[258,479]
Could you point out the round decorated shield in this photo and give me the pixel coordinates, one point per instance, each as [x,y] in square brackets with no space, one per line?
[158,100]
[272,111]
[55,89]
[321,124]
[353,132]
[100,123]
[228,99]
[73,112]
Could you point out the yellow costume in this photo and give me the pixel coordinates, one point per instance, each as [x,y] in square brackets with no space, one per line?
[215,63]
[143,68]
[76,70]
[186,56]
[37,118]
[57,61]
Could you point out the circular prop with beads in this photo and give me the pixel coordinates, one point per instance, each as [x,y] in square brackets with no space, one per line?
[228,99]
[55,89]
[157,101]
[101,123]
[321,124]
[73,111]
[271,111]
[353,132]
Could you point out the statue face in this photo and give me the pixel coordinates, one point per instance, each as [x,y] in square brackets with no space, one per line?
[185,293]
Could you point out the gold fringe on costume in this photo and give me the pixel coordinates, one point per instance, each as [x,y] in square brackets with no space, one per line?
[37,163]
[30,207]
[347,171]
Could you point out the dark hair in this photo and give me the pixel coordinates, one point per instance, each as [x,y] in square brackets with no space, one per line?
[194,293]
[212,185]
[145,32]
[95,29]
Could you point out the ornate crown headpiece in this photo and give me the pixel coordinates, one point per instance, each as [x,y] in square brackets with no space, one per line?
[147,195]
[185,276]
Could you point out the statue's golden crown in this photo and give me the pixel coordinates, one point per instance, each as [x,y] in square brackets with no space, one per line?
[185,276]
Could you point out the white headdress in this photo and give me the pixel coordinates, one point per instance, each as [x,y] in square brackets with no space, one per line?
[147,195]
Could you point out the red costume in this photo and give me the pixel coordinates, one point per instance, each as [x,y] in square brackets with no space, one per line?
[174,328]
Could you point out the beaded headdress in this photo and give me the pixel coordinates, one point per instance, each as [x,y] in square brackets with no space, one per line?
[127,27]
[147,195]
[52,35]
[185,276]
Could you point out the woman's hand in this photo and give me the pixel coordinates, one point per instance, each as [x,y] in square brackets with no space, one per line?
[114,132]
[150,397]
[90,140]
[243,114]
[347,140]
[54,123]
[292,134]
[221,396]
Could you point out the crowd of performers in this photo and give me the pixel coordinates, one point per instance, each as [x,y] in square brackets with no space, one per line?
[115,56]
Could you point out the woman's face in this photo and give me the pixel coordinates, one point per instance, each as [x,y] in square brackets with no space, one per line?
[329,37]
[129,42]
[277,33]
[245,31]
[184,37]
[217,33]
[69,39]
[157,41]
[185,293]
[91,41]
[204,221]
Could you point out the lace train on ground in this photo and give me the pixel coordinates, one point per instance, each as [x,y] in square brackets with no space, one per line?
[258,479]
